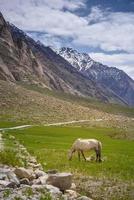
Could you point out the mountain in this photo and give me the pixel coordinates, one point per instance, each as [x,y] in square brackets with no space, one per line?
[109,77]
[23,60]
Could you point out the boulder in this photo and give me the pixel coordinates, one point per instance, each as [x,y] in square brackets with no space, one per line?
[61,180]
[21,172]
[38,173]
[8,179]
[13,178]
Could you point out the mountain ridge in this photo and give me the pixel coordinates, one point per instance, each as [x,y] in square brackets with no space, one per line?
[24,60]
[110,77]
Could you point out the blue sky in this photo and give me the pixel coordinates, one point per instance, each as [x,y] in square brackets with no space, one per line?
[102,28]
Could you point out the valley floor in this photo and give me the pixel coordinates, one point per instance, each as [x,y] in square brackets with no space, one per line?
[111,179]
[56,120]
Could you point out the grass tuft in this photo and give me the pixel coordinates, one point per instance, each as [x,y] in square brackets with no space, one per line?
[8,157]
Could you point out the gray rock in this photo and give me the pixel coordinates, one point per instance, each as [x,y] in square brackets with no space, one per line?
[43,179]
[54,191]
[12,185]
[73,186]
[32,160]
[38,187]
[71,194]
[35,166]
[61,180]
[21,172]
[84,198]
[25,181]
[52,171]
[3,173]
[4,183]
[3,176]
[39,173]
[13,178]
[65,197]
[36,181]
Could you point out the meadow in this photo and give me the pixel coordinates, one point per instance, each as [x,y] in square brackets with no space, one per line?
[112,179]
[51,145]
[8,124]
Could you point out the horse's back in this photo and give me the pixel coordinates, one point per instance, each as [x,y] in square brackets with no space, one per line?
[86,144]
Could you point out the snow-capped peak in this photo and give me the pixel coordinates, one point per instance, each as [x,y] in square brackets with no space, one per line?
[81,61]
[111,78]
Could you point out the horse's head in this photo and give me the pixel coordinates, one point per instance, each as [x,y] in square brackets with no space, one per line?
[70,153]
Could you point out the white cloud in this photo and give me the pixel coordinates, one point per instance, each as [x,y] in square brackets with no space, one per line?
[97,14]
[53,4]
[47,39]
[46,16]
[123,61]
[110,31]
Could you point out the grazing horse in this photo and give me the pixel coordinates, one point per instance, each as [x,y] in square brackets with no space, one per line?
[81,145]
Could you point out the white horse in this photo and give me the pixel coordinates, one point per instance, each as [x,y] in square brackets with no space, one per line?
[81,145]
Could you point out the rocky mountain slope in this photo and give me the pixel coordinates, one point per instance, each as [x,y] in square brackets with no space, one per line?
[21,104]
[24,60]
[110,77]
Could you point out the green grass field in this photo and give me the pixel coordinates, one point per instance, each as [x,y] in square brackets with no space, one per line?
[5,124]
[51,145]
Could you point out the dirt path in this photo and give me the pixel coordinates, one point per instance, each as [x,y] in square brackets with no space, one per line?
[53,124]
[71,122]
[16,127]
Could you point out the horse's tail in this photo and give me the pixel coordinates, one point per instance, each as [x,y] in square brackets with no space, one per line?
[99,146]
[99,150]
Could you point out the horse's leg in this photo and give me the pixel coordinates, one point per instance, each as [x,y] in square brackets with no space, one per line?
[83,155]
[71,154]
[97,155]
[79,155]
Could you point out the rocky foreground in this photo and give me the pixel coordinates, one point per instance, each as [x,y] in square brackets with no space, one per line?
[21,183]
[31,182]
